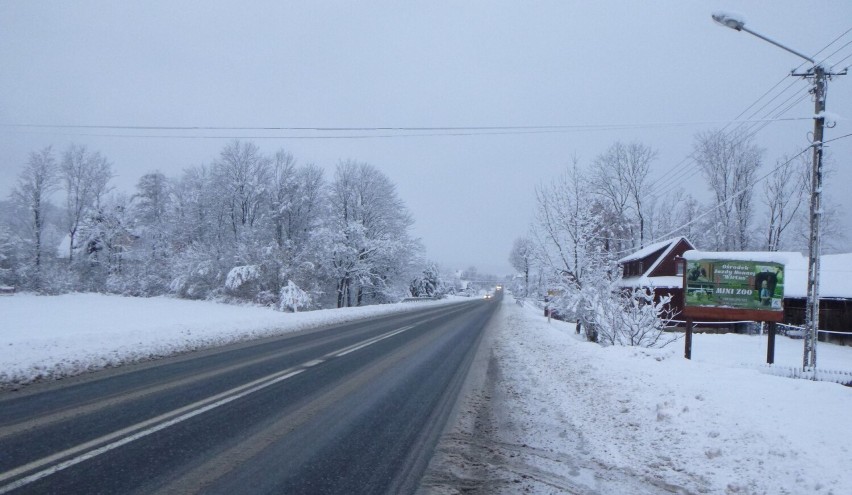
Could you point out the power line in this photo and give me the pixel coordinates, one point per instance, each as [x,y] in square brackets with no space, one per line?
[732,197]
[834,52]
[659,186]
[441,129]
[837,138]
[676,173]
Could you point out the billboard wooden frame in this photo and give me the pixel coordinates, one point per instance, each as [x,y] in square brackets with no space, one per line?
[772,317]
[720,313]
[733,314]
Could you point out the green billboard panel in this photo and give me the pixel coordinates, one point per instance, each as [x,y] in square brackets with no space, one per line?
[735,284]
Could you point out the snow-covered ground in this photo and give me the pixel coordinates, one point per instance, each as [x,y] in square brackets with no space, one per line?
[564,415]
[571,416]
[55,336]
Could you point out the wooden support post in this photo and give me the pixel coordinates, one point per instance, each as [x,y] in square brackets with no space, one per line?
[687,351]
[770,346]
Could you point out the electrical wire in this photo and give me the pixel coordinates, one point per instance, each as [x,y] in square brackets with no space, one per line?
[733,197]
[662,185]
[435,131]
[677,173]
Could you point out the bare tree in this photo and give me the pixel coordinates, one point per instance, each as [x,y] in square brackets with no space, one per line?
[36,183]
[639,158]
[620,175]
[729,164]
[86,176]
[784,194]
[830,219]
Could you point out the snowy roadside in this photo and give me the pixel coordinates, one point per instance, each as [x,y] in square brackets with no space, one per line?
[559,415]
[48,337]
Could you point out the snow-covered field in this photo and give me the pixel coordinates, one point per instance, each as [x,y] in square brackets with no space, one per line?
[577,416]
[55,336]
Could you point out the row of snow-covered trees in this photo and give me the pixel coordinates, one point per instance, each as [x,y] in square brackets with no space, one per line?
[590,217]
[249,225]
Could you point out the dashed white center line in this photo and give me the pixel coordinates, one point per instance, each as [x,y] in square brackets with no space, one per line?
[163,421]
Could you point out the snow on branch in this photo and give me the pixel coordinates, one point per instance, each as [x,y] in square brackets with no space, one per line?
[240,275]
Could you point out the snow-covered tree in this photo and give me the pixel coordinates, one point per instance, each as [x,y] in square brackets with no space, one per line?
[428,283]
[296,205]
[151,201]
[8,258]
[293,298]
[152,224]
[571,236]
[85,176]
[242,174]
[372,250]
[38,180]
[105,241]
[242,278]
[521,258]
[568,231]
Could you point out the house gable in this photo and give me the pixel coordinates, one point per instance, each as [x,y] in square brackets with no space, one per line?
[666,265]
[656,260]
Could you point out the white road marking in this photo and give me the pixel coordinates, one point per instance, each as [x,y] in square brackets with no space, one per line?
[364,344]
[168,419]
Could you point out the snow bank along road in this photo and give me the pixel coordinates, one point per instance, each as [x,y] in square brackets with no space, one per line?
[351,408]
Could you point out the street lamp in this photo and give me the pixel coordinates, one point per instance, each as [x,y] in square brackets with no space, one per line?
[819,75]
[737,22]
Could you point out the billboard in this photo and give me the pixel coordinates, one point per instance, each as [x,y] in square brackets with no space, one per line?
[753,285]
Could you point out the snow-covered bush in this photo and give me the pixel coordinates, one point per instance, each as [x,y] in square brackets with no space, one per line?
[614,316]
[428,283]
[293,298]
[241,275]
[197,274]
[644,320]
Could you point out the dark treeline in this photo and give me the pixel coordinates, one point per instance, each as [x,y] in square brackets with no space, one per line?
[248,226]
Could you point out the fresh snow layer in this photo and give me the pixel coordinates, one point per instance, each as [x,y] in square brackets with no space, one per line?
[587,419]
[582,418]
[45,337]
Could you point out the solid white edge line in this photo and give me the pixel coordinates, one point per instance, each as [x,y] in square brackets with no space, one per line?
[202,406]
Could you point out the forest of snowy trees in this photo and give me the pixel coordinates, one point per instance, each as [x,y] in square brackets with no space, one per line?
[589,217]
[248,226]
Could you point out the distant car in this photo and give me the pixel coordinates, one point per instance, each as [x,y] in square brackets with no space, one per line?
[488,296]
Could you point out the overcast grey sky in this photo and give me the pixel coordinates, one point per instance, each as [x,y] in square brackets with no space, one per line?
[406,64]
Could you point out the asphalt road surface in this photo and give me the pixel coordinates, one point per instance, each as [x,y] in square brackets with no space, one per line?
[354,408]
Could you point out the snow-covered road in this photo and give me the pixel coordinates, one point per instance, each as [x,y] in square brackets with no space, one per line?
[559,415]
